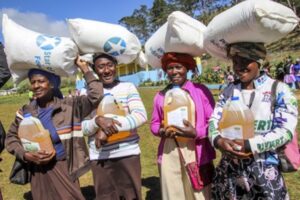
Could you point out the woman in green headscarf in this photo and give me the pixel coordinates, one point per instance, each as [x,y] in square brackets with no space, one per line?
[249,169]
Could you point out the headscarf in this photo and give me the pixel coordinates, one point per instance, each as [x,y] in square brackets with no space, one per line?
[104,55]
[249,50]
[53,79]
[182,58]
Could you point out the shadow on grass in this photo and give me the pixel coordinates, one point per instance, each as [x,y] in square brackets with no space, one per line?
[153,184]
[87,191]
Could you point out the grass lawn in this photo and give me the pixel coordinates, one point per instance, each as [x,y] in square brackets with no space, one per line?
[148,143]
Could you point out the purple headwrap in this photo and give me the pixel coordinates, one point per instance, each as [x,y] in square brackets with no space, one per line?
[53,79]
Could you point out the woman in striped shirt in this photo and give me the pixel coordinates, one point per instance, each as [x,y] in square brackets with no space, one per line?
[116,159]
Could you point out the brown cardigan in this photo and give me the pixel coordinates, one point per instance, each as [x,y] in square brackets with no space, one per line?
[67,116]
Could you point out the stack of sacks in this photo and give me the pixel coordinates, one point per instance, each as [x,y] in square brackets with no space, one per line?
[181,34]
[26,49]
[99,37]
[249,21]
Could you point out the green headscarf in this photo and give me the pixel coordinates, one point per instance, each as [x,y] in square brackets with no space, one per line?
[250,50]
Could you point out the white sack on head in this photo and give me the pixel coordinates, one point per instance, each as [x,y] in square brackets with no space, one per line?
[155,47]
[100,37]
[26,49]
[249,21]
[184,34]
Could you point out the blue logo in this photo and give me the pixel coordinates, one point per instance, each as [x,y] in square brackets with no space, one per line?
[47,42]
[115,46]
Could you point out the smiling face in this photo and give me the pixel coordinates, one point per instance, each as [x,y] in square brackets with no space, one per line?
[40,86]
[177,73]
[247,70]
[106,70]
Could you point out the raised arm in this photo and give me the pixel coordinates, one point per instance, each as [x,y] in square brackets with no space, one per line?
[84,105]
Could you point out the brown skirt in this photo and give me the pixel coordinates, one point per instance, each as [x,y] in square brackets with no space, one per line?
[118,178]
[52,181]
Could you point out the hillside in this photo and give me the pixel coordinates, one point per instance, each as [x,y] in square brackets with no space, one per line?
[289,43]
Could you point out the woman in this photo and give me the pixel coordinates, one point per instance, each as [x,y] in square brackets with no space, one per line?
[54,174]
[255,176]
[176,66]
[116,163]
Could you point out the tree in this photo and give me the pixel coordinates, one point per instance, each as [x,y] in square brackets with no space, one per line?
[190,7]
[293,4]
[159,14]
[138,23]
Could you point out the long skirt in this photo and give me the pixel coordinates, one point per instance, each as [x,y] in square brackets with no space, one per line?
[52,181]
[175,183]
[118,178]
[247,179]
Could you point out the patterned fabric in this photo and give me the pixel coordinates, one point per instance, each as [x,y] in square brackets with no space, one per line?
[182,58]
[247,179]
[257,177]
[249,50]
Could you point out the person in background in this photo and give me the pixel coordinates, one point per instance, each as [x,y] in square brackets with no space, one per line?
[230,77]
[296,69]
[249,168]
[116,164]
[70,93]
[4,77]
[266,68]
[54,174]
[175,183]
[289,77]
[227,77]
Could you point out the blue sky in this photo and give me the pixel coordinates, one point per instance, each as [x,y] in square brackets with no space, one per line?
[48,16]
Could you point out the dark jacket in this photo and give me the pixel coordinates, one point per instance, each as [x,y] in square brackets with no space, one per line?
[4,71]
[67,116]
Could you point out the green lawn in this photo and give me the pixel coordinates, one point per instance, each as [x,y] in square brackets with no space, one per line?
[148,143]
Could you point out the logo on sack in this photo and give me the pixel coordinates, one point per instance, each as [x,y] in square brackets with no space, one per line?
[47,42]
[115,46]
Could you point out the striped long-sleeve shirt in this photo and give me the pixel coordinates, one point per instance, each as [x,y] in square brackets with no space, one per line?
[128,97]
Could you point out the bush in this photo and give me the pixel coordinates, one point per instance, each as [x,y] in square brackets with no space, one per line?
[67,82]
[23,87]
[209,76]
[8,85]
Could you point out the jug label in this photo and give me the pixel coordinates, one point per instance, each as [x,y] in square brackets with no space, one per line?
[176,117]
[30,146]
[233,132]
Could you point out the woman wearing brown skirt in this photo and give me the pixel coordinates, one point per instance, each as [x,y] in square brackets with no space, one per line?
[54,174]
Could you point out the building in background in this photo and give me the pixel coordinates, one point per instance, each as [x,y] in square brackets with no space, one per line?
[134,73]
